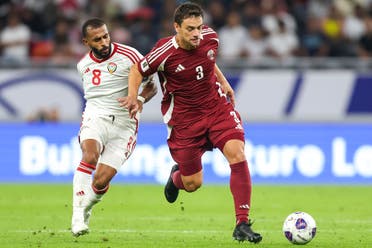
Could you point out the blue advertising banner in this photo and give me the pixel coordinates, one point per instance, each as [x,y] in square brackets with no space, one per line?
[276,153]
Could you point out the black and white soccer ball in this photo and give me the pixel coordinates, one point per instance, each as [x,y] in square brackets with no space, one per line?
[299,228]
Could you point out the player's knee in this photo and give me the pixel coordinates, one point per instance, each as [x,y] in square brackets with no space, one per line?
[192,186]
[234,151]
[237,157]
[90,157]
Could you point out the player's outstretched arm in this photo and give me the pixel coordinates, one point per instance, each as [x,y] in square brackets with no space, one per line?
[130,102]
[228,90]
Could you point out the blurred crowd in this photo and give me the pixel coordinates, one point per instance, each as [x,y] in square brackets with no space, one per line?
[50,30]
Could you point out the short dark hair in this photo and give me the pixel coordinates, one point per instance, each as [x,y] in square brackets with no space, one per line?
[187,10]
[93,23]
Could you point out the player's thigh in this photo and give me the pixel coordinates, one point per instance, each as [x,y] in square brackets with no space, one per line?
[120,145]
[92,136]
[188,160]
[226,126]
[187,144]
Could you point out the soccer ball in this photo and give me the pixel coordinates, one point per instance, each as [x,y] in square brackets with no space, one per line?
[299,228]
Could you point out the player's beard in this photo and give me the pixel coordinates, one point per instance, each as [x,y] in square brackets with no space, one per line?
[194,43]
[189,44]
[100,54]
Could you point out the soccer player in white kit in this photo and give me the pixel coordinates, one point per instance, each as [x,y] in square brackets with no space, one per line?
[107,134]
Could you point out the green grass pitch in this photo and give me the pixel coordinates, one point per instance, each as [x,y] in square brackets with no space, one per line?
[138,216]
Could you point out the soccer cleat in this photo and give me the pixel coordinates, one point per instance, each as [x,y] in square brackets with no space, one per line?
[88,209]
[78,224]
[79,230]
[170,190]
[87,214]
[244,232]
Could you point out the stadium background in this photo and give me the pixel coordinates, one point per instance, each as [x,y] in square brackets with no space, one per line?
[305,104]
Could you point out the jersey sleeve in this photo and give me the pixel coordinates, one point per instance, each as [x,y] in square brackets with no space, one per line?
[81,64]
[148,78]
[210,34]
[135,57]
[78,67]
[151,63]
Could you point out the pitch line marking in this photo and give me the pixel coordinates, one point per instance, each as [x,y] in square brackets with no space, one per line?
[122,231]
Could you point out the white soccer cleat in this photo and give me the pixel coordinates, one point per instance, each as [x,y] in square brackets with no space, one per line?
[88,209]
[87,214]
[79,226]
[79,229]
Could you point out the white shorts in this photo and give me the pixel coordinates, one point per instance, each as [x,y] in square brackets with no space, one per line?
[116,134]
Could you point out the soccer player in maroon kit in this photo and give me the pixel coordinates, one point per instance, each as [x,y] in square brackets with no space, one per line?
[198,108]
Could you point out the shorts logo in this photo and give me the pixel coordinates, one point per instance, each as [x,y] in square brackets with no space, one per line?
[144,66]
[111,67]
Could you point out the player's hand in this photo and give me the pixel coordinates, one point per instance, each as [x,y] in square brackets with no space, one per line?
[229,93]
[130,103]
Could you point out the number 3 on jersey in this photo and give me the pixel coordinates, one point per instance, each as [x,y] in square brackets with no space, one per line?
[199,71]
[96,79]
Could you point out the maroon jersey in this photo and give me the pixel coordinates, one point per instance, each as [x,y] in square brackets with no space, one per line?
[187,77]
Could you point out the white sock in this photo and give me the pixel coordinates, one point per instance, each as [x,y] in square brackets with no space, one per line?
[93,197]
[81,188]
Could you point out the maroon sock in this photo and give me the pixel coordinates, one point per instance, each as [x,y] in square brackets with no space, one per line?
[241,188]
[177,180]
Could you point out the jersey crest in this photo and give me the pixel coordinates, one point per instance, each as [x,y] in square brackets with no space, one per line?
[211,55]
[111,67]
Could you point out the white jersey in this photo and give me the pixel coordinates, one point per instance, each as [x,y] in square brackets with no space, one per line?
[104,81]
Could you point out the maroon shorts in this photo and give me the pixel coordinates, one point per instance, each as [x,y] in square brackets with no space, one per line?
[187,143]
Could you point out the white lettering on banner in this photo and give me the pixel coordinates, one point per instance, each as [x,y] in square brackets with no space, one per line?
[58,158]
[340,167]
[38,157]
[32,155]
[266,161]
[362,160]
[275,161]
[310,161]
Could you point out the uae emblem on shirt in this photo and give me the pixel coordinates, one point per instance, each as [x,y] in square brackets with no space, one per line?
[111,67]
